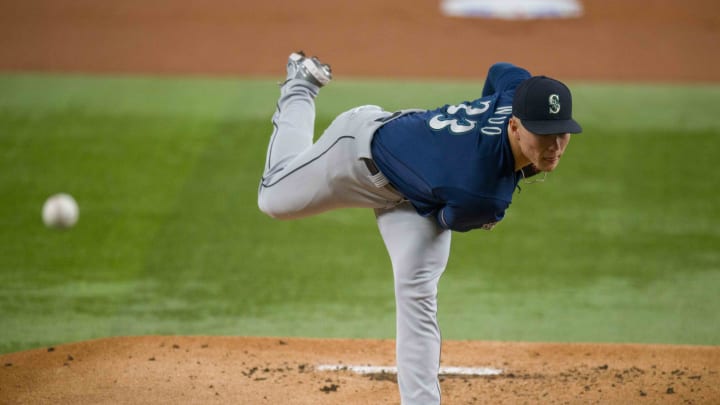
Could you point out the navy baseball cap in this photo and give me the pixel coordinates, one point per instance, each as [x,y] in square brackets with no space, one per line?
[544,106]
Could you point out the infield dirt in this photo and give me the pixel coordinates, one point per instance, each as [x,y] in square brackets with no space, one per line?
[654,41]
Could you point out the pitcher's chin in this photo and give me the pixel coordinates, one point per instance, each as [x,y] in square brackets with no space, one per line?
[548,165]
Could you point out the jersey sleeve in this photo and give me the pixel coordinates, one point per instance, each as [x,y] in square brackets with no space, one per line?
[503,76]
[483,213]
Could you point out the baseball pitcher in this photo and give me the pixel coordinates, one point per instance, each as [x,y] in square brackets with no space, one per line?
[424,172]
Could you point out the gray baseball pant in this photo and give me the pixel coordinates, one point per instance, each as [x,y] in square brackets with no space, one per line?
[303,178]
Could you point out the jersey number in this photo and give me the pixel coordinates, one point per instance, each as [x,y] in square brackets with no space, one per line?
[459,123]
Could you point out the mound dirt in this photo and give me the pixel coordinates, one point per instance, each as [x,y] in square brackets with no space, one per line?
[234,370]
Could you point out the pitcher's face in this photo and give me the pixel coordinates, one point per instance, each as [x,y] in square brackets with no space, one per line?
[544,151]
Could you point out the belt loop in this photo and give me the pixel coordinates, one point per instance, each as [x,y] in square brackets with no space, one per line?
[376,177]
[379,180]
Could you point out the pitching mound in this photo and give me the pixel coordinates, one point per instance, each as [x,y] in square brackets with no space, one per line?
[228,370]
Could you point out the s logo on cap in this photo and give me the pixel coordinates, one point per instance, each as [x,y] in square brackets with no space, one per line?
[544,106]
[554,102]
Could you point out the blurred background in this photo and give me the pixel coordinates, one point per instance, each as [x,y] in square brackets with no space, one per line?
[155,115]
[642,40]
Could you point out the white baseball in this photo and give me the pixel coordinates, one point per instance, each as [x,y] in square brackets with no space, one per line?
[60,211]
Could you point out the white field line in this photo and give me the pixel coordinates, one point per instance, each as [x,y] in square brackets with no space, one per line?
[479,371]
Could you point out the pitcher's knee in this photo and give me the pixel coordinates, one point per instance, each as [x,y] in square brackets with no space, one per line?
[271,206]
[280,205]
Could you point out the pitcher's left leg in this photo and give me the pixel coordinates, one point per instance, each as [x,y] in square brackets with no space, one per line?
[419,250]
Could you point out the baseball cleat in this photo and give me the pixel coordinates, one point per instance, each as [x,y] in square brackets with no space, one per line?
[311,70]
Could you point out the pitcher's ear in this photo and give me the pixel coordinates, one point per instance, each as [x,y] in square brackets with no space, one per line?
[513,127]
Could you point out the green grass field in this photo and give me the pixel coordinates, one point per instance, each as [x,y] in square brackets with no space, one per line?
[621,244]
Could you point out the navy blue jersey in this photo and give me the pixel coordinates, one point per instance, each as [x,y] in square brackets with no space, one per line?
[455,162]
